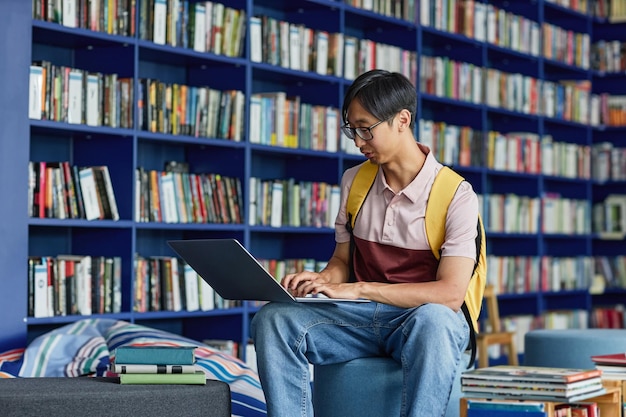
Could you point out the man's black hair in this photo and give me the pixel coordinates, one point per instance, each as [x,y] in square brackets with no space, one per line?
[382,94]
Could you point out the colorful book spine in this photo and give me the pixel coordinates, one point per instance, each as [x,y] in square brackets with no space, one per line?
[152,369]
[197,378]
[151,355]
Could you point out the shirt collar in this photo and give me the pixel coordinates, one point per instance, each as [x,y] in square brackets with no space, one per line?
[418,185]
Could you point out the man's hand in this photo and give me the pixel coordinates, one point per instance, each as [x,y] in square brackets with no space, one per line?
[306,282]
[303,283]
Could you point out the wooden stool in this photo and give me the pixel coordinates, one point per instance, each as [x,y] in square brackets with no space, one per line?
[495,336]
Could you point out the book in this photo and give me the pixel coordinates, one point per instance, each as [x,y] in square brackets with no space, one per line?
[196,378]
[531,374]
[531,395]
[479,407]
[610,359]
[537,389]
[571,386]
[136,368]
[168,355]
[37,92]
[491,404]
[91,200]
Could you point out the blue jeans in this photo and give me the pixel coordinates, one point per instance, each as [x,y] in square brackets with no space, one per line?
[428,341]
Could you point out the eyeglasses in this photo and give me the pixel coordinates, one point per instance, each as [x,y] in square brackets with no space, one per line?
[364,133]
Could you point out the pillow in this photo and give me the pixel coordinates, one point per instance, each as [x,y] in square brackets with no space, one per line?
[10,362]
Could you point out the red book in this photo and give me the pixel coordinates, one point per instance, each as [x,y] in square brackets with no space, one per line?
[532,374]
[610,359]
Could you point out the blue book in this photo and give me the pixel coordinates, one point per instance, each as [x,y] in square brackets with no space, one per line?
[504,413]
[156,355]
[529,408]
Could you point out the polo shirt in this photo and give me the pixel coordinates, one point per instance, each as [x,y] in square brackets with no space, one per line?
[390,233]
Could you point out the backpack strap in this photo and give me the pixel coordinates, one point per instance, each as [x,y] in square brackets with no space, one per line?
[444,187]
[359,189]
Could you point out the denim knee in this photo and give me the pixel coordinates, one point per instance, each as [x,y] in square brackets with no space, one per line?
[436,319]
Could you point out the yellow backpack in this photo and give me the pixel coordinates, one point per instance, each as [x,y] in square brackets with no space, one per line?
[443,190]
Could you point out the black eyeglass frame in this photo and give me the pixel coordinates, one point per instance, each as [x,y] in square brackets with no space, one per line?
[352,132]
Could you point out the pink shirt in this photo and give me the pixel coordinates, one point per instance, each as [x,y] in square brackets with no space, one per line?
[390,236]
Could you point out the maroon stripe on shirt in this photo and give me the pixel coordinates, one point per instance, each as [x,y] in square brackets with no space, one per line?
[384,263]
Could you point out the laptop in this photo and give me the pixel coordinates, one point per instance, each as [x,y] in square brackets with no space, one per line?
[235,274]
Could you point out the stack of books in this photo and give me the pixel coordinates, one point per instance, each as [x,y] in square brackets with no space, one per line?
[613,366]
[157,365]
[532,383]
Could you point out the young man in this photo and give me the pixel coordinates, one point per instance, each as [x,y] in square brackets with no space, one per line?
[415,312]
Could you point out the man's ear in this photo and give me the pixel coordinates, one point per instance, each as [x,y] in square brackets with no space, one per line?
[404,119]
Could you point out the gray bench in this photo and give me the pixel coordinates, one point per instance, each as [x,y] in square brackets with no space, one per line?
[84,396]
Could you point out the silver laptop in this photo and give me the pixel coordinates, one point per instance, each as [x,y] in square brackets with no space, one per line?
[234,273]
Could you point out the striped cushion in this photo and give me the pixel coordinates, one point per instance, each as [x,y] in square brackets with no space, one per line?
[87,346]
[10,362]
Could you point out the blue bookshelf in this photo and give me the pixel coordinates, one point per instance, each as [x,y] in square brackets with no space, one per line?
[125,149]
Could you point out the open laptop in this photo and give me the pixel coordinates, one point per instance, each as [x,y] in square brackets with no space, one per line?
[234,273]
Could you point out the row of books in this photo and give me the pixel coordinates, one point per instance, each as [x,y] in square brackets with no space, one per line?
[478,20]
[399,9]
[568,100]
[521,274]
[280,120]
[105,100]
[525,152]
[577,318]
[612,270]
[154,364]
[613,109]
[512,213]
[524,274]
[189,110]
[204,26]
[489,23]
[608,56]
[165,283]
[609,162]
[609,216]
[278,268]
[182,197]
[600,317]
[112,17]
[608,318]
[551,213]
[295,46]
[74,284]
[568,216]
[566,46]
[63,191]
[213,27]
[616,10]
[65,94]
[293,203]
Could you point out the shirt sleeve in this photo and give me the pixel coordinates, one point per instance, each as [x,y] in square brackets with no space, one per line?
[341,233]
